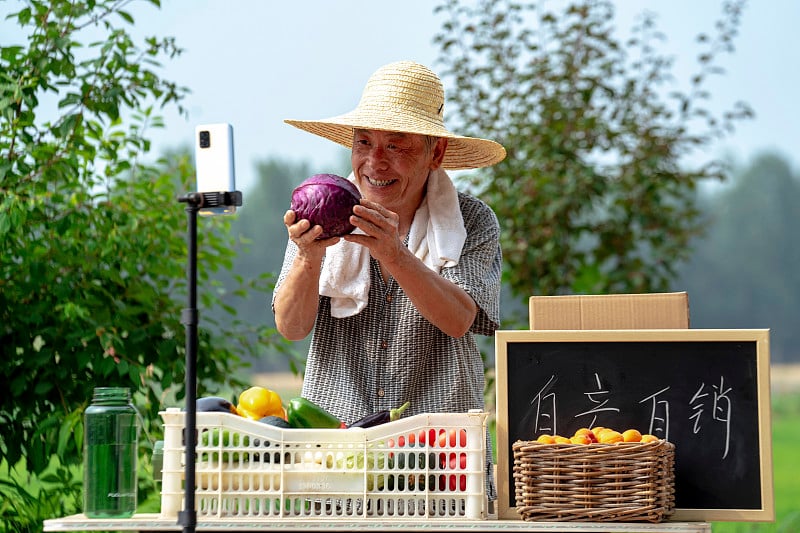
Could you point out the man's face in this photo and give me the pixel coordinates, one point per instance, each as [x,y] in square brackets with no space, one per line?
[392,168]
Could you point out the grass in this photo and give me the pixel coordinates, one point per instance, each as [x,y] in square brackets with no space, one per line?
[27,500]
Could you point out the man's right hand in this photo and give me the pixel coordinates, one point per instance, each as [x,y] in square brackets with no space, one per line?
[304,236]
[297,300]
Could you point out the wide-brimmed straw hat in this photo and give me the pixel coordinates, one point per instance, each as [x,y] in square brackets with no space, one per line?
[406,97]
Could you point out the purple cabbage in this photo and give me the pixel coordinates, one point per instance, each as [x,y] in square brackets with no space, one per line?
[326,200]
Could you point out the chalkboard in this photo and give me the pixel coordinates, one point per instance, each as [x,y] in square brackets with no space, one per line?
[706,391]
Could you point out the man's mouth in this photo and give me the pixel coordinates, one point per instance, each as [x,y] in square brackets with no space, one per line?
[379,183]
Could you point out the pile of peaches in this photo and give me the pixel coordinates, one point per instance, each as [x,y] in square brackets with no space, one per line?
[600,435]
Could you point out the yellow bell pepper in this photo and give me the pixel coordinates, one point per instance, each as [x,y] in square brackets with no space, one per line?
[257,402]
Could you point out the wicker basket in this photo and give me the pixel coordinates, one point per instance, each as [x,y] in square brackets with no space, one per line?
[624,482]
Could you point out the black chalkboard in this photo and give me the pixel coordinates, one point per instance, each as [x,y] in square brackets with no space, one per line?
[707,391]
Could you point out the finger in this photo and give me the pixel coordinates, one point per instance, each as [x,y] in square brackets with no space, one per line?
[358,238]
[289,217]
[299,229]
[366,225]
[370,204]
[374,206]
[377,214]
[330,241]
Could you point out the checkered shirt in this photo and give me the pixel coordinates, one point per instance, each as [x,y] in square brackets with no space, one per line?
[389,353]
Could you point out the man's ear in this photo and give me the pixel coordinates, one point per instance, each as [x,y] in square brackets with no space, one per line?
[439,150]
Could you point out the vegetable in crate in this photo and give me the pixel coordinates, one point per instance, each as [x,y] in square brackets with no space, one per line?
[326,200]
[215,404]
[381,417]
[257,402]
[277,421]
[303,413]
[216,438]
[222,437]
[374,461]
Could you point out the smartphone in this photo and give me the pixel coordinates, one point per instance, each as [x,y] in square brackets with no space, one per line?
[214,163]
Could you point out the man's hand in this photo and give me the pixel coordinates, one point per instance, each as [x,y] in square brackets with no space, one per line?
[296,303]
[381,229]
[304,236]
[441,301]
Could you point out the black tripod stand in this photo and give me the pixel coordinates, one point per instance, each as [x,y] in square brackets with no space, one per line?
[189,318]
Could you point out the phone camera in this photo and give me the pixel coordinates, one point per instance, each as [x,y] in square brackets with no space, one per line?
[205,139]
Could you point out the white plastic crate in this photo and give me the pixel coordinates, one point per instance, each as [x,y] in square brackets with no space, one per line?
[421,466]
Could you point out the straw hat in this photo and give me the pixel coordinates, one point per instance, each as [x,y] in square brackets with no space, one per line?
[406,97]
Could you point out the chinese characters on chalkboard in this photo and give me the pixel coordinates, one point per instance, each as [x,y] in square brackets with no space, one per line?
[721,406]
[599,400]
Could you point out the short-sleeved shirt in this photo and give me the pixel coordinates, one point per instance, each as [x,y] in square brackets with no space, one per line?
[389,353]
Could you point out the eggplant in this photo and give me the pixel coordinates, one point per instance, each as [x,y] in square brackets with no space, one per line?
[215,404]
[381,417]
[275,421]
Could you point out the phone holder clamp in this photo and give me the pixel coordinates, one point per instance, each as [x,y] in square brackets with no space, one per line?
[211,200]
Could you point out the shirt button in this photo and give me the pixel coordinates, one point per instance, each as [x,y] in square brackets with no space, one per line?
[384,344]
[380,393]
[388,297]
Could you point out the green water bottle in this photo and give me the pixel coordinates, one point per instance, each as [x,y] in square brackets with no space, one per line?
[111,432]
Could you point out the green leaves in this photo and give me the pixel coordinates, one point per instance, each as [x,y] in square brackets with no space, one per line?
[592,197]
[93,269]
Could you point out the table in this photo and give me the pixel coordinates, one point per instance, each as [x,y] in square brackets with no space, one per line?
[154,522]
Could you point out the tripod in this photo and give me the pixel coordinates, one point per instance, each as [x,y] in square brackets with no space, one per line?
[189,318]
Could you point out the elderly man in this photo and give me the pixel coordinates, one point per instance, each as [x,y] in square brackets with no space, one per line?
[394,305]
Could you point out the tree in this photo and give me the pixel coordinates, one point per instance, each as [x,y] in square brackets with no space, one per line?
[743,272]
[259,225]
[93,269]
[593,196]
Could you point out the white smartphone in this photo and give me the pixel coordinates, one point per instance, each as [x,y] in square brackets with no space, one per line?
[213,148]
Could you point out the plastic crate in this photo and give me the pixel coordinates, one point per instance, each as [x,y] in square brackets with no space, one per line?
[422,466]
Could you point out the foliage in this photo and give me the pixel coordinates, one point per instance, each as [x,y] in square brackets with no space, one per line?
[260,223]
[743,273]
[28,500]
[592,197]
[93,270]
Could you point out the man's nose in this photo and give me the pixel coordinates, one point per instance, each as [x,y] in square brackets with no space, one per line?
[377,155]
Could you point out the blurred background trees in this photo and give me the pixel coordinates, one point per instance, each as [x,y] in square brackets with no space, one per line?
[597,194]
[743,270]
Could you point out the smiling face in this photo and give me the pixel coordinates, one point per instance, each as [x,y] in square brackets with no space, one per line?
[392,168]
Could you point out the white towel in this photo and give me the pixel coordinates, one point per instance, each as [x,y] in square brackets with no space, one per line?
[436,237]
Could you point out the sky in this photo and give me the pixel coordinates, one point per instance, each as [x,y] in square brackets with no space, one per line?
[254,63]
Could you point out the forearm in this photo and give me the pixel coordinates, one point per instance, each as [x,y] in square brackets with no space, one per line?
[443,303]
[298,298]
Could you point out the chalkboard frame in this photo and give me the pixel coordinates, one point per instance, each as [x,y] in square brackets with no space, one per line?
[760,338]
